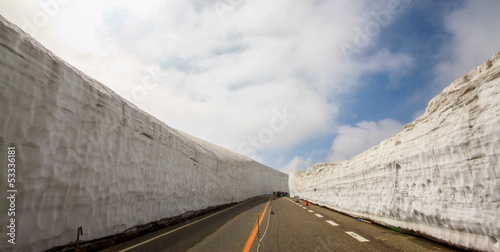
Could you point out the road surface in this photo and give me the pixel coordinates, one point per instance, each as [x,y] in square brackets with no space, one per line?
[290,227]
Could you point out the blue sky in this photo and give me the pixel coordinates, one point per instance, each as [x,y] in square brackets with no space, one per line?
[286,83]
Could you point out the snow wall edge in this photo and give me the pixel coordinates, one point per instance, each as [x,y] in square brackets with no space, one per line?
[87,157]
[439,176]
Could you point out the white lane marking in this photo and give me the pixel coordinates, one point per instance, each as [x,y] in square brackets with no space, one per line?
[311,211]
[332,223]
[319,215]
[357,237]
[169,232]
[304,207]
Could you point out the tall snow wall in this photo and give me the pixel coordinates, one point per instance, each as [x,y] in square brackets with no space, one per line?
[439,176]
[87,157]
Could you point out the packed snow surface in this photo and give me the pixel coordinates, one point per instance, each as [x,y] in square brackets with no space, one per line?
[439,176]
[87,157]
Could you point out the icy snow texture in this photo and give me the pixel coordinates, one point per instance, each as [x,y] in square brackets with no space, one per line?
[439,176]
[87,157]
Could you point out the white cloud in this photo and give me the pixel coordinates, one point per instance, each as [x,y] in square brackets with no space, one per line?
[216,78]
[297,164]
[475,38]
[352,141]
[262,56]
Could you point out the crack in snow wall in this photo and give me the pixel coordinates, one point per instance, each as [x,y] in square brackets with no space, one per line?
[439,176]
[87,157]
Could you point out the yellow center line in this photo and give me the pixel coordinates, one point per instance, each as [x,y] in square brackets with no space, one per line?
[254,231]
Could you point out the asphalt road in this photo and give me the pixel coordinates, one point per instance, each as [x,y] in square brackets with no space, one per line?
[290,227]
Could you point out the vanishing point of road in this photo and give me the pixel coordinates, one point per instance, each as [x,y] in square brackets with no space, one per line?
[284,225]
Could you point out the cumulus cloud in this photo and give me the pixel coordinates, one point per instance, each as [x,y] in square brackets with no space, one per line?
[296,164]
[260,57]
[220,72]
[353,140]
[475,38]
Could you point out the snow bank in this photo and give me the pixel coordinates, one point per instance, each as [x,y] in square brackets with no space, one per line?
[440,176]
[87,157]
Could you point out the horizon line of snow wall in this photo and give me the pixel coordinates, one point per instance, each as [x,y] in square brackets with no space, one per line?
[87,157]
[439,176]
